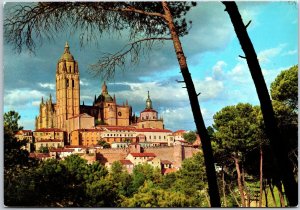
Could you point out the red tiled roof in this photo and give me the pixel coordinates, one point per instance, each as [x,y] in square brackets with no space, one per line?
[116,128]
[61,150]
[179,131]
[23,131]
[49,140]
[126,162]
[75,146]
[150,159]
[39,155]
[90,129]
[143,154]
[166,162]
[149,110]
[48,130]
[152,130]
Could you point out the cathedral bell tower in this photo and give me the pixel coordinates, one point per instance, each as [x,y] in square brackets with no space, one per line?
[67,88]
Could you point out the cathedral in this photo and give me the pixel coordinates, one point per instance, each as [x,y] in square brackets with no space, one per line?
[67,114]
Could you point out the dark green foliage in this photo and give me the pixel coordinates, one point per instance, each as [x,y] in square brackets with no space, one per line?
[11,121]
[190,137]
[121,179]
[43,149]
[141,173]
[149,195]
[236,127]
[103,143]
[285,87]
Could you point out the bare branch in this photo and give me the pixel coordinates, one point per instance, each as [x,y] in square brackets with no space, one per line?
[132,9]
[179,81]
[248,24]
[107,64]
[242,56]
[199,94]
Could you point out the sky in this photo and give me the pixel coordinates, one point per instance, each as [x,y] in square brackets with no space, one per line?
[212,50]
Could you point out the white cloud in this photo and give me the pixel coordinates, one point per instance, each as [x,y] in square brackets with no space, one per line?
[21,97]
[171,93]
[83,82]
[51,86]
[35,103]
[265,55]
[180,117]
[218,72]
[291,52]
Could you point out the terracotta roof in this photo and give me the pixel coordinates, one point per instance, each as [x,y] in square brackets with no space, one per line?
[143,154]
[23,131]
[149,110]
[115,128]
[39,155]
[179,131]
[61,150]
[48,130]
[126,162]
[75,146]
[89,129]
[166,162]
[168,170]
[49,140]
[152,130]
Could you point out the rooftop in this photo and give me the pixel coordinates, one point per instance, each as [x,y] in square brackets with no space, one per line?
[143,154]
[48,130]
[126,162]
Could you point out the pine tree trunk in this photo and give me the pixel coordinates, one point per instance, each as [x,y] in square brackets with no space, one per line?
[281,197]
[265,189]
[272,193]
[233,194]
[245,188]
[276,142]
[224,188]
[193,97]
[260,177]
[239,179]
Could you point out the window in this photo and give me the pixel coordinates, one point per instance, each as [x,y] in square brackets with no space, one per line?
[67,83]
[73,83]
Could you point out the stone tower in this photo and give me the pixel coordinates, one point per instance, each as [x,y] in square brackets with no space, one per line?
[67,88]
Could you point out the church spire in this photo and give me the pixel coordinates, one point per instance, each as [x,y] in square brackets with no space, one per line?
[67,48]
[148,102]
[104,88]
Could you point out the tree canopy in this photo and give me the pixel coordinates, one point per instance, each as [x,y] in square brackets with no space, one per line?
[190,136]
[285,87]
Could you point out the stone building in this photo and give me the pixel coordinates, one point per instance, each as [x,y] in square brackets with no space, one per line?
[149,117]
[67,114]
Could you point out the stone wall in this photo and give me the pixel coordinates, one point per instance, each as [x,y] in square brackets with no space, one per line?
[111,155]
[163,153]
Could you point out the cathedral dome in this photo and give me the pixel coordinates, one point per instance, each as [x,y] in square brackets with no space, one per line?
[104,96]
[67,56]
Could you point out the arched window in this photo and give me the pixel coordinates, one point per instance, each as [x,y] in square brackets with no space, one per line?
[67,83]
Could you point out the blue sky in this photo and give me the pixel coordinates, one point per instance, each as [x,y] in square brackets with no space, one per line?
[211,48]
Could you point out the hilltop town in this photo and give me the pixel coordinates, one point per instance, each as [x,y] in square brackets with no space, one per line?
[104,131]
